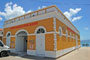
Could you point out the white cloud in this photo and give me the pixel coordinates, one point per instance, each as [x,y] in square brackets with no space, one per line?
[76,18]
[68,15]
[0,18]
[43,6]
[29,11]
[40,7]
[72,12]
[86,28]
[13,10]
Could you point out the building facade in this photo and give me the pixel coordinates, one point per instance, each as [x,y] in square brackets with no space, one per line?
[45,32]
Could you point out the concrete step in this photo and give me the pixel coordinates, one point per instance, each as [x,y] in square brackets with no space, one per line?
[21,53]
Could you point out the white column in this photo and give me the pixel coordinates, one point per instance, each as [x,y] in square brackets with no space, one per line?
[76,42]
[55,38]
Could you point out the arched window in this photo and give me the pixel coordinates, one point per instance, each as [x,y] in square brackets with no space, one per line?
[76,37]
[70,35]
[66,33]
[8,35]
[60,31]
[40,30]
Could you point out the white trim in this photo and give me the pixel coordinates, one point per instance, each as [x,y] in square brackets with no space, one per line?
[21,31]
[39,28]
[66,22]
[64,51]
[44,33]
[8,40]
[51,54]
[47,53]
[40,39]
[40,49]
[60,28]
[31,52]
[55,38]
[12,35]
[17,42]
[32,19]
[44,16]
[1,35]
[76,41]
[7,33]
[31,34]
[64,34]
[13,50]
[50,32]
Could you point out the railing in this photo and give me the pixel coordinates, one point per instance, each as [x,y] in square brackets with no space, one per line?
[32,14]
[36,13]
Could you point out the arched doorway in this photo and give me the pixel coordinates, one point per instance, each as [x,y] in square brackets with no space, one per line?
[40,41]
[8,39]
[21,41]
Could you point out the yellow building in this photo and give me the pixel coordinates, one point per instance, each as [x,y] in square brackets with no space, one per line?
[45,32]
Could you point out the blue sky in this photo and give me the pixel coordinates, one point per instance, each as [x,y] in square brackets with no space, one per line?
[79,11]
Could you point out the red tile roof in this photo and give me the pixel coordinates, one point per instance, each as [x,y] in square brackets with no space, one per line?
[0,29]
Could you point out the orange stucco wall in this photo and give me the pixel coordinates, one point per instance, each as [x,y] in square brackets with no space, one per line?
[4,41]
[31,43]
[64,42]
[47,23]
[78,40]
[12,44]
[0,37]
[49,42]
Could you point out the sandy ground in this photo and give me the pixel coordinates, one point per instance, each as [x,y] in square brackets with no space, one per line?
[80,54]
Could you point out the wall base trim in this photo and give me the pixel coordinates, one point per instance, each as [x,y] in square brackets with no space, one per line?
[13,50]
[64,51]
[31,52]
[51,54]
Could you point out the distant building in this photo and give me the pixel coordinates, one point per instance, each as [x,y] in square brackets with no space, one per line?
[45,32]
[85,43]
[1,34]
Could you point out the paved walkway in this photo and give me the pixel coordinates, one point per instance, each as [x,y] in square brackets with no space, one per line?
[80,54]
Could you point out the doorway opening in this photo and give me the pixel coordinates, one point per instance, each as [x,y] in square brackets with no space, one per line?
[40,42]
[8,40]
[21,42]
